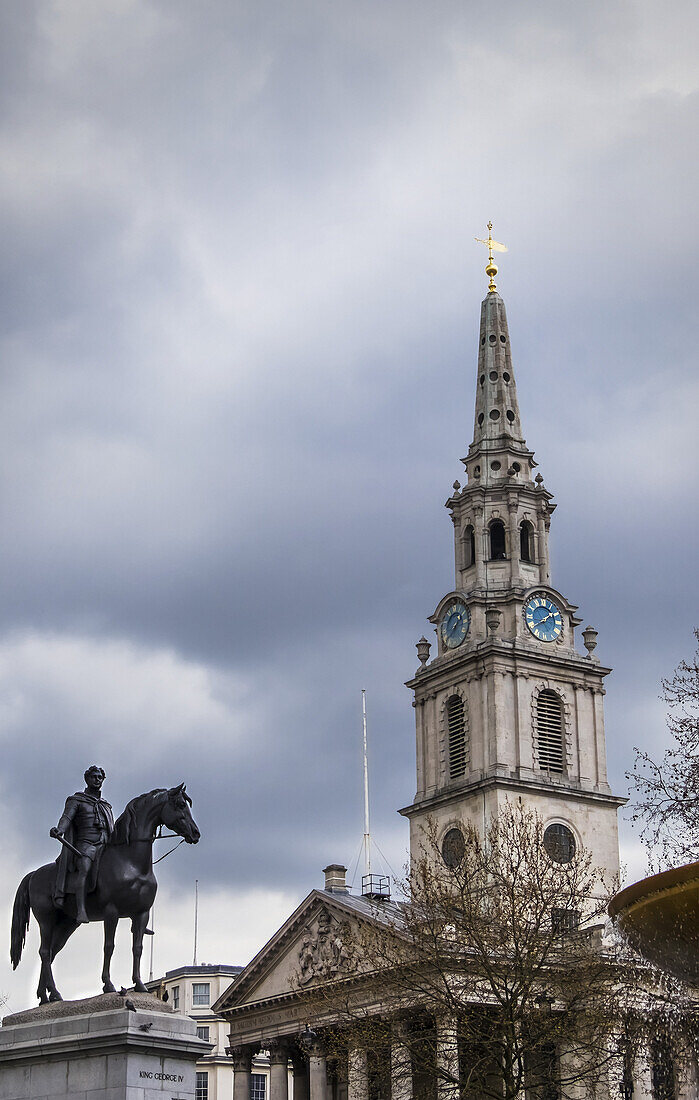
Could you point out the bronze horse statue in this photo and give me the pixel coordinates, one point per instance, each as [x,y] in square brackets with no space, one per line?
[125,887]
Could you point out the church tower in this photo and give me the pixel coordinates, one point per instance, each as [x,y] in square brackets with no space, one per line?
[508,708]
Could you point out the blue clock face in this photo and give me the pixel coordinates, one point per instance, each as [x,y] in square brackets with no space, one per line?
[543,618]
[454,625]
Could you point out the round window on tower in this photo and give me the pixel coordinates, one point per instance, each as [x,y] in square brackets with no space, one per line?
[453,848]
[559,843]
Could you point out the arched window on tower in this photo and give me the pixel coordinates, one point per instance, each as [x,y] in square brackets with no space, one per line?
[456,733]
[497,540]
[550,732]
[526,538]
[469,547]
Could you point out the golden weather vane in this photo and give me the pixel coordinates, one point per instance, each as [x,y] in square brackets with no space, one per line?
[493,246]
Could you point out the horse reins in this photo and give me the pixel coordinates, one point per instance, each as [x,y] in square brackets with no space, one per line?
[165,836]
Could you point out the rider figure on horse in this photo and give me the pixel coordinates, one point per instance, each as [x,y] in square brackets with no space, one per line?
[86,824]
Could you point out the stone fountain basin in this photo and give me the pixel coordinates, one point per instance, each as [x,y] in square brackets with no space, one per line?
[660,917]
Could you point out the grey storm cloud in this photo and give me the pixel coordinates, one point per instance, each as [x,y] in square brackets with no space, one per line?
[239,301]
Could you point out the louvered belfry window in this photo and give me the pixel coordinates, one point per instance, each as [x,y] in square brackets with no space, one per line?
[456,726]
[549,731]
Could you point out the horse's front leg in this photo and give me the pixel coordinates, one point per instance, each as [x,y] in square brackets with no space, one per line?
[138,927]
[110,922]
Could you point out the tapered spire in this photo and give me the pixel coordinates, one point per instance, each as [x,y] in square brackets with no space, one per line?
[498,446]
[497,409]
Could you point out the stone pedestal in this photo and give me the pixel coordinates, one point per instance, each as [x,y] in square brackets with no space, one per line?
[98,1049]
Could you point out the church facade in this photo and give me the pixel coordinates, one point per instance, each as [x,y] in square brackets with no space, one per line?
[505,708]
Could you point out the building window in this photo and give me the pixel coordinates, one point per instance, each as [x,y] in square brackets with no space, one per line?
[456,727]
[200,993]
[549,731]
[258,1086]
[201,1089]
[453,849]
[469,544]
[526,534]
[497,540]
[175,997]
[559,843]
[565,921]
[203,1033]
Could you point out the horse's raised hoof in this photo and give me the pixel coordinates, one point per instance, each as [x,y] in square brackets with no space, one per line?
[109,987]
[55,996]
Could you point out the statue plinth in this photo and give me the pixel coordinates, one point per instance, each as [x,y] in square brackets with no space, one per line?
[99,1048]
[660,916]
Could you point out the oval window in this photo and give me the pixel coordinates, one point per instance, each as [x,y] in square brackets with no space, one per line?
[453,848]
[559,843]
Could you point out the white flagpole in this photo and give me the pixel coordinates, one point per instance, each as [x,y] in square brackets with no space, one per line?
[196,918]
[367,835]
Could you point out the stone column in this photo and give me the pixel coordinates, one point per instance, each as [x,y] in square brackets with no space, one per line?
[300,1083]
[547,527]
[615,1070]
[686,1076]
[401,1065]
[478,542]
[574,1087]
[357,1073]
[447,1058]
[242,1064]
[458,551]
[514,538]
[317,1073]
[542,547]
[278,1070]
[642,1077]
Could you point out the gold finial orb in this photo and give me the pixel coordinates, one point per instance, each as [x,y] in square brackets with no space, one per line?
[493,246]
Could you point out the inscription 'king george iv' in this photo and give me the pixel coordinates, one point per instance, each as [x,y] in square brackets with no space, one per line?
[159,1075]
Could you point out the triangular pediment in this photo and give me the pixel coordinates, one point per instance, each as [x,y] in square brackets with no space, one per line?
[307,949]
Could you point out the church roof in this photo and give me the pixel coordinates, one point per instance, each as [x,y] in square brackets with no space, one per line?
[343,905]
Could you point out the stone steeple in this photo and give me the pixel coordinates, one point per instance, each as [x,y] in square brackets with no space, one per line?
[507,707]
[500,485]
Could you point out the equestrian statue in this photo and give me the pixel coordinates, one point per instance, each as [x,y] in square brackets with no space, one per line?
[104,872]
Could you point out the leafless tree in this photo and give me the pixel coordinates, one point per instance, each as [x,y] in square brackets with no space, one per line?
[667,791]
[495,970]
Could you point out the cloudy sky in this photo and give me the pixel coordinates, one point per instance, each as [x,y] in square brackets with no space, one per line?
[239,307]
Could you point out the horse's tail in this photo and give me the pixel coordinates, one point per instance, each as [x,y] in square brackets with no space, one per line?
[20,920]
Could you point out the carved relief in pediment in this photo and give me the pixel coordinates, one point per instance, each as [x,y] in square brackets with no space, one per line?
[324,951]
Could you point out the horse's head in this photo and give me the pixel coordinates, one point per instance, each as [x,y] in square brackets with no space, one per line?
[177,815]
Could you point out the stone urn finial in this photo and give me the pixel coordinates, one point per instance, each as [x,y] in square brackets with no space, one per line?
[423,651]
[590,639]
[492,618]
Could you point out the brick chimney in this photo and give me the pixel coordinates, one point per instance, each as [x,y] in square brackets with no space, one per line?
[335,878]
